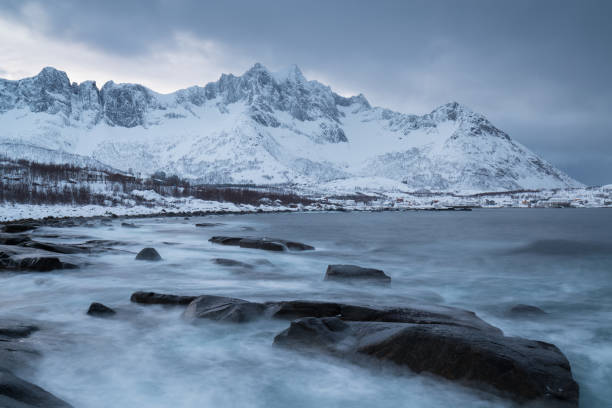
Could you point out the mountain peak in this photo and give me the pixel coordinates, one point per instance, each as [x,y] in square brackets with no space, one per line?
[292,73]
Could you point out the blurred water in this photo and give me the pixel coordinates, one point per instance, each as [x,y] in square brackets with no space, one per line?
[484,260]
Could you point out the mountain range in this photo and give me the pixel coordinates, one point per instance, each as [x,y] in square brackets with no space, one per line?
[263,127]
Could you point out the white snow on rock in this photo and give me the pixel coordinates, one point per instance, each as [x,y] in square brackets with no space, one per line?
[263,128]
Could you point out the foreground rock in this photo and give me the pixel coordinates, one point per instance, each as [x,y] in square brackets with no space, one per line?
[525,369]
[100,310]
[355,273]
[152,298]
[16,355]
[268,244]
[148,254]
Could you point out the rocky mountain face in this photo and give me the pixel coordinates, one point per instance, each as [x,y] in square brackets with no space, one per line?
[264,128]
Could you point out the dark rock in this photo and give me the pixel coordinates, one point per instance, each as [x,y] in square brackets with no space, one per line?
[129,225]
[11,239]
[224,309]
[98,309]
[57,248]
[526,310]
[231,263]
[18,393]
[148,254]
[208,224]
[16,228]
[525,369]
[43,264]
[16,330]
[152,298]
[269,244]
[299,308]
[354,272]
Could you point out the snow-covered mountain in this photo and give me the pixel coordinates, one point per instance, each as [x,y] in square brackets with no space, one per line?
[262,127]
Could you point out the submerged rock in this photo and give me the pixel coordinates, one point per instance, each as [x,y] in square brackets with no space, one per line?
[152,298]
[224,309]
[209,224]
[269,244]
[57,248]
[129,225]
[354,272]
[100,310]
[526,310]
[231,263]
[148,254]
[525,369]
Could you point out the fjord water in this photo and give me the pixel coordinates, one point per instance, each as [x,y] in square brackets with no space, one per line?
[484,260]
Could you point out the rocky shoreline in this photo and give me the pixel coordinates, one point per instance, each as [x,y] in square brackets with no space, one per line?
[449,342]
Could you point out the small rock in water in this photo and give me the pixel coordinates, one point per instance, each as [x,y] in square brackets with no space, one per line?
[225,309]
[98,309]
[129,225]
[526,310]
[148,254]
[43,264]
[208,224]
[354,272]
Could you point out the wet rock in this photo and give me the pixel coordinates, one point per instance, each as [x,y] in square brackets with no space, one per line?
[18,393]
[16,228]
[224,309]
[525,369]
[129,225]
[12,239]
[269,244]
[354,272]
[148,254]
[526,310]
[100,310]
[57,248]
[152,298]
[15,330]
[231,263]
[43,264]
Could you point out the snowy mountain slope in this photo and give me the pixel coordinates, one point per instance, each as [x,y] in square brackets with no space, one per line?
[264,127]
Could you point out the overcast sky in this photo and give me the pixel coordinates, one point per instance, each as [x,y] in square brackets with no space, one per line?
[539,70]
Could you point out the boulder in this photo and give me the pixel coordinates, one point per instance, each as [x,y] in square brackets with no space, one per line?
[225,309]
[152,298]
[100,310]
[355,273]
[269,244]
[524,369]
[148,254]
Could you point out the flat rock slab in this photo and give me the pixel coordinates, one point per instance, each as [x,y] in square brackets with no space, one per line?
[268,244]
[153,298]
[524,369]
[347,273]
[148,254]
[17,228]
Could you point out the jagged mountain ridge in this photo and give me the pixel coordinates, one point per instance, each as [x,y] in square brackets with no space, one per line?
[264,127]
